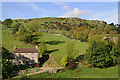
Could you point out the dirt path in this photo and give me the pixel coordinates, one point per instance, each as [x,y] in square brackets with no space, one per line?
[45,69]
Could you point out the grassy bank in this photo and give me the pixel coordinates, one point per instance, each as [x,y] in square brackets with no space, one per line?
[83,72]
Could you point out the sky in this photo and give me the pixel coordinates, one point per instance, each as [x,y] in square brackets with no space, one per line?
[103,11]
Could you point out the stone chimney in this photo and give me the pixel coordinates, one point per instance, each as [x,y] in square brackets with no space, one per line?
[15,47]
[36,46]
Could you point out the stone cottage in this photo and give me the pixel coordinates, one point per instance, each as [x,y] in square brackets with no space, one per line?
[25,56]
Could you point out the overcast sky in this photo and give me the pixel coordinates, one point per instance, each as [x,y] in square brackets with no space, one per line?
[103,11]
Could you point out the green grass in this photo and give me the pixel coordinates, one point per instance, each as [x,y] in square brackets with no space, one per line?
[83,72]
[60,48]
[8,41]
[56,51]
[27,72]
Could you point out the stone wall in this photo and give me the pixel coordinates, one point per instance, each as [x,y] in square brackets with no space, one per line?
[25,58]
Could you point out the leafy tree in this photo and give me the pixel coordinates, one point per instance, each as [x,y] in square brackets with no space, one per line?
[6,63]
[7,22]
[22,30]
[32,26]
[16,28]
[70,54]
[42,48]
[111,24]
[28,34]
[102,53]
[94,32]
[64,60]
[22,34]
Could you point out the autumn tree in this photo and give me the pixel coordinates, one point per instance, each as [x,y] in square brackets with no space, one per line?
[109,28]
[80,33]
[112,33]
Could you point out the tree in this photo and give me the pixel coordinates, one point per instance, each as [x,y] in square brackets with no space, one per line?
[7,22]
[70,54]
[80,33]
[102,53]
[109,28]
[42,48]
[112,33]
[111,24]
[22,30]
[93,33]
[6,63]
[32,29]
[64,60]
[23,34]
[16,28]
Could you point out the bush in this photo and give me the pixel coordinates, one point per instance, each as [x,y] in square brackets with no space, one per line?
[7,22]
[7,67]
[16,27]
[102,53]
[70,54]
[80,58]
[71,65]
[42,48]
[64,60]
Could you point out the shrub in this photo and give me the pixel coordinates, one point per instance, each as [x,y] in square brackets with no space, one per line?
[64,60]
[7,22]
[70,55]
[80,58]
[102,53]
[16,27]
[42,48]
[6,65]
[71,65]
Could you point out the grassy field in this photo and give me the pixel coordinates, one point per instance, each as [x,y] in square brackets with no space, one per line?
[56,46]
[83,72]
[8,41]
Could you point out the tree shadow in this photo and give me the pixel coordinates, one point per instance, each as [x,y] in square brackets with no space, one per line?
[50,51]
[38,43]
[43,59]
[54,42]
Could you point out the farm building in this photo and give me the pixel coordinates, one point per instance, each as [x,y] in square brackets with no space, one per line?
[25,56]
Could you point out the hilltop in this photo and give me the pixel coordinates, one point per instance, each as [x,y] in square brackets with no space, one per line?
[56,23]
